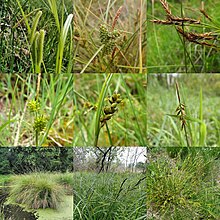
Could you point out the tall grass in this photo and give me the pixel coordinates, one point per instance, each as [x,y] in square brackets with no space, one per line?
[62,99]
[127,127]
[165,129]
[19,90]
[108,196]
[45,44]
[184,187]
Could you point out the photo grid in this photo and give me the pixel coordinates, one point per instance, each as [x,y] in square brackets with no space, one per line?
[109,110]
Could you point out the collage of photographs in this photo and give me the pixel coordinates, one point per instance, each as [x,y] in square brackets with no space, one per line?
[109,110]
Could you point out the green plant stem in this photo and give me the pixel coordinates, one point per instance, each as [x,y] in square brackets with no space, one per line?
[187,140]
[100,48]
[36,137]
[61,92]
[99,107]
[109,135]
[184,125]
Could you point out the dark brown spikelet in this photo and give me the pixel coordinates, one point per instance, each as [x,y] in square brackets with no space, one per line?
[184,20]
[194,37]
[202,10]
[166,7]
[164,22]
[179,22]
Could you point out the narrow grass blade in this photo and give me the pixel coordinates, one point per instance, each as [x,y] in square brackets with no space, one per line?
[62,40]
[99,107]
[34,27]
[53,8]
[202,129]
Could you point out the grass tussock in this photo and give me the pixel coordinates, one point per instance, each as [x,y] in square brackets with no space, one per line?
[38,190]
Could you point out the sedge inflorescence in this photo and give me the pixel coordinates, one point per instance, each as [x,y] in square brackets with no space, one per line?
[34,106]
[111,108]
[40,123]
[180,112]
[108,38]
[40,120]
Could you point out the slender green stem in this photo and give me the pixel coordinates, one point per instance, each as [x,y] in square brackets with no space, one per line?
[36,136]
[99,107]
[95,54]
[109,135]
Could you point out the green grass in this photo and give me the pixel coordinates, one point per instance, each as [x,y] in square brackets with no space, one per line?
[127,127]
[185,186]
[109,196]
[38,190]
[4,179]
[69,123]
[49,194]
[18,90]
[23,22]
[164,130]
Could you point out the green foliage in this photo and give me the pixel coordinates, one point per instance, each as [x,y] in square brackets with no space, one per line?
[127,127]
[99,107]
[36,191]
[183,188]
[66,180]
[109,196]
[39,43]
[24,160]
[200,111]
[4,163]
